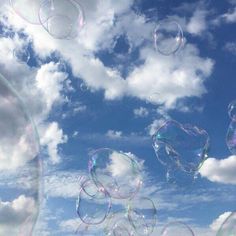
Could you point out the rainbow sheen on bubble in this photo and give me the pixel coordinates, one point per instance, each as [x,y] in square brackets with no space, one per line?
[20,166]
[177,228]
[27,9]
[142,215]
[116,171]
[62,19]
[168,37]
[93,204]
[228,227]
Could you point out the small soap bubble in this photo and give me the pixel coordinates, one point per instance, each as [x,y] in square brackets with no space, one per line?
[232,110]
[168,37]
[231,137]
[83,87]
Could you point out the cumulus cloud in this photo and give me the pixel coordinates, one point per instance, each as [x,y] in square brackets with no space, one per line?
[141,112]
[114,134]
[220,171]
[219,221]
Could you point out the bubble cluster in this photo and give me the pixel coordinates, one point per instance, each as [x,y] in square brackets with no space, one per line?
[168,37]
[118,173]
[179,147]
[228,227]
[20,165]
[177,228]
[62,19]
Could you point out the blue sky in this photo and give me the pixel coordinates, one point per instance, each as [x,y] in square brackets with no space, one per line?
[130,90]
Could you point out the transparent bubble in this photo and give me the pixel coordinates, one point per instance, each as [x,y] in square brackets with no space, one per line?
[20,166]
[185,146]
[116,171]
[231,137]
[232,110]
[228,228]
[62,19]
[89,230]
[168,37]
[22,55]
[142,215]
[177,228]
[93,204]
[118,225]
[27,9]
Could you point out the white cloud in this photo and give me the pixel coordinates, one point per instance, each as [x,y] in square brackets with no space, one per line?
[219,221]
[152,128]
[220,171]
[51,137]
[15,215]
[141,112]
[230,17]
[114,134]
[230,47]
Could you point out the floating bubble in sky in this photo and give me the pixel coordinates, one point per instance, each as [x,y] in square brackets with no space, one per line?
[22,55]
[168,37]
[27,9]
[19,164]
[62,19]
[83,87]
[232,110]
[184,146]
[231,137]
[118,173]
[118,225]
[177,228]
[93,204]
[142,215]
[228,228]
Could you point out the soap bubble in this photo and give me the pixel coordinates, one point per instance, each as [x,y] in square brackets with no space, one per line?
[22,55]
[228,228]
[118,173]
[232,110]
[142,215]
[93,203]
[20,166]
[177,228]
[62,19]
[27,9]
[118,225]
[185,146]
[168,37]
[83,87]
[231,137]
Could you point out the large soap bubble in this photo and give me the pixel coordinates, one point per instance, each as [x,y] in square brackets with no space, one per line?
[185,146]
[232,110]
[168,37]
[62,19]
[118,173]
[142,215]
[177,228]
[228,228]
[94,203]
[27,9]
[231,137]
[19,165]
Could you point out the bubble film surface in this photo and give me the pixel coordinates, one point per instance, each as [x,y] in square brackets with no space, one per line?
[232,110]
[177,228]
[117,172]
[228,228]
[20,167]
[231,137]
[168,37]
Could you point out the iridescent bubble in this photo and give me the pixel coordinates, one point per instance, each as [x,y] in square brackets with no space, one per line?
[177,228]
[62,19]
[20,167]
[142,215]
[185,146]
[232,110]
[118,173]
[168,37]
[22,55]
[27,9]
[231,137]
[93,204]
[228,228]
